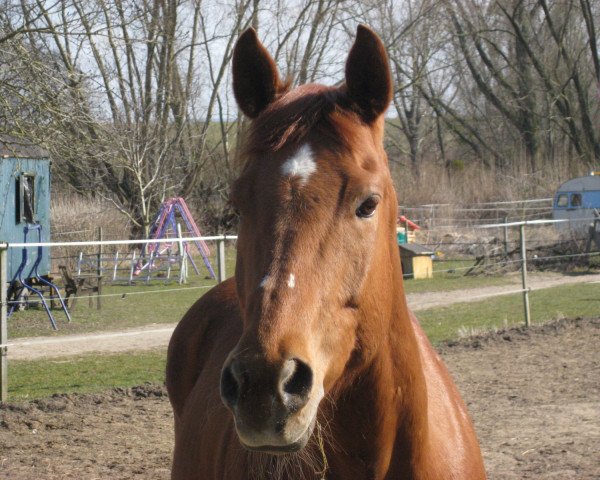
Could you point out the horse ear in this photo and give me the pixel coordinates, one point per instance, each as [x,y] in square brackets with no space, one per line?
[256,80]
[368,76]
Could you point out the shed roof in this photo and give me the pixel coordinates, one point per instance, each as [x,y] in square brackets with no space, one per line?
[416,249]
[15,147]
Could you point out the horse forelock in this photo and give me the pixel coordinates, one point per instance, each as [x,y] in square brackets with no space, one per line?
[296,114]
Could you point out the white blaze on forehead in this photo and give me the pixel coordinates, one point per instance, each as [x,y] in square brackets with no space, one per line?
[291,281]
[302,164]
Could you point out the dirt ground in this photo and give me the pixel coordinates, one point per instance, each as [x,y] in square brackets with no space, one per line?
[535,399]
[534,396]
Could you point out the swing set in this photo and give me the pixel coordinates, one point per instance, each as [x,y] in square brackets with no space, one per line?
[165,226]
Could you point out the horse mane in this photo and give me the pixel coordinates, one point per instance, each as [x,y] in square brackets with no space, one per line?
[290,118]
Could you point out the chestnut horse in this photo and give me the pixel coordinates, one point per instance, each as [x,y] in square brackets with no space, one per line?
[308,364]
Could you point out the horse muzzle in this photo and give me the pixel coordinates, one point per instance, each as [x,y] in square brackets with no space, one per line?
[274,406]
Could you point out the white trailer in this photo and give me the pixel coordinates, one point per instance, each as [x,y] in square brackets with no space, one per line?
[578,200]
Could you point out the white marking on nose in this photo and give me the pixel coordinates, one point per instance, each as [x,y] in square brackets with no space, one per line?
[291,281]
[302,164]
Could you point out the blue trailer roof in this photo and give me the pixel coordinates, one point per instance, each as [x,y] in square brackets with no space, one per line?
[581,184]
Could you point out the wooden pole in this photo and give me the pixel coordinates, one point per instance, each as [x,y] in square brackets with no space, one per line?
[99,271]
[524,276]
[3,324]
[132,268]
[99,254]
[505,237]
[593,237]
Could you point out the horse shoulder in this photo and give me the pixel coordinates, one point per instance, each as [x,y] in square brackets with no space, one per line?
[453,440]
[213,320]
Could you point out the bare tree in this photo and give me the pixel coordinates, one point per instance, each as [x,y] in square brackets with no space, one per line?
[132,97]
[134,113]
[144,109]
[526,58]
[407,29]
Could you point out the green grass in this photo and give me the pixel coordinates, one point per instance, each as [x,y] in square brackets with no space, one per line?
[446,323]
[139,304]
[133,306]
[128,307]
[34,379]
[450,275]
[42,378]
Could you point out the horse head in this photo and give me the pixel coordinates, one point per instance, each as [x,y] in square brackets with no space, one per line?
[316,250]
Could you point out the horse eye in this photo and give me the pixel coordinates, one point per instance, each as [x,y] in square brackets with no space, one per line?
[367,208]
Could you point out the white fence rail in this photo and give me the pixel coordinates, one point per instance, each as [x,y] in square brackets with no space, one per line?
[458,216]
[4,247]
[92,243]
[220,239]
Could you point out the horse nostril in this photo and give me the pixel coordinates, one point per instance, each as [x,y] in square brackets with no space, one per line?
[230,387]
[295,384]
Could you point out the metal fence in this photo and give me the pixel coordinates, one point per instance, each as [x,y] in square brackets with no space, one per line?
[4,281]
[457,216]
[221,240]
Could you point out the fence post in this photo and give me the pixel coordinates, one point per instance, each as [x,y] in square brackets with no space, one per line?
[505,237]
[3,323]
[524,276]
[132,268]
[222,275]
[99,271]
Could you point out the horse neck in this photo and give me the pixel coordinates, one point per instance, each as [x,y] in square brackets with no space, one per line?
[381,411]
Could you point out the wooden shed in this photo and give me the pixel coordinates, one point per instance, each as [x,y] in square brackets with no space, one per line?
[416,261]
[25,190]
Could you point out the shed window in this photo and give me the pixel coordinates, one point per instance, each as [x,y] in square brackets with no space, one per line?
[26,198]
[576,199]
[562,200]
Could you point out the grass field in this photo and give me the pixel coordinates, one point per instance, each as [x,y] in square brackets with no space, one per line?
[123,306]
[131,306]
[85,374]
[34,379]
[459,319]
[450,275]
[141,304]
